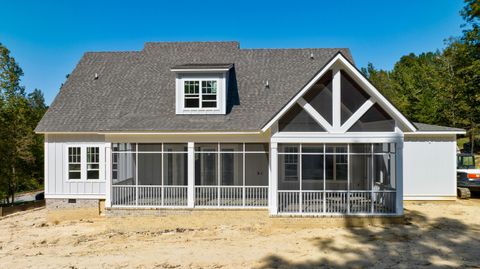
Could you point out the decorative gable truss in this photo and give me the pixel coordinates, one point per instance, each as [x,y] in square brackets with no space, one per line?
[340,99]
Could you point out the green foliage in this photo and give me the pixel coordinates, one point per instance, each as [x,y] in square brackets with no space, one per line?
[441,87]
[21,150]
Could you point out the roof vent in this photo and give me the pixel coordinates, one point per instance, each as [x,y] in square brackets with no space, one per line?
[311,55]
[96,76]
[267,85]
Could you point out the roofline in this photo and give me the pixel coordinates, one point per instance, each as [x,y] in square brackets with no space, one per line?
[160,132]
[199,70]
[436,133]
[376,94]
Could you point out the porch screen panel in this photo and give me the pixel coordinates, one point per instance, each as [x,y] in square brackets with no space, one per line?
[336,167]
[374,120]
[124,166]
[231,164]
[256,169]
[361,167]
[298,120]
[352,96]
[312,166]
[231,169]
[149,169]
[175,164]
[289,167]
[206,165]
[320,96]
[384,167]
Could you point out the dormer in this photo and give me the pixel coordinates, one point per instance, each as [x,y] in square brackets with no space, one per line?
[201,88]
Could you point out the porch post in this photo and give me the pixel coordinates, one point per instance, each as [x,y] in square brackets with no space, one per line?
[191,175]
[399,177]
[273,179]
[336,99]
[108,175]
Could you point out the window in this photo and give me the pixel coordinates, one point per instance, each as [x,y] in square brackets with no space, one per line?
[209,93]
[93,162]
[291,164]
[192,94]
[74,163]
[200,93]
[336,162]
[84,163]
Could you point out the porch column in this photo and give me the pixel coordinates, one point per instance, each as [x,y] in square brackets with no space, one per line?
[273,179]
[399,177]
[108,175]
[336,99]
[191,175]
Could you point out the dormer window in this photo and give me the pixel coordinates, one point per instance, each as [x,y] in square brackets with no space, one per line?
[201,88]
[200,93]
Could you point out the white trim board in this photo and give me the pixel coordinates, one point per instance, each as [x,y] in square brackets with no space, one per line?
[429,197]
[75,196]
[315,115]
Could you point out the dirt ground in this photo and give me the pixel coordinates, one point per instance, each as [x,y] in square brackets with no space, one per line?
[435,235]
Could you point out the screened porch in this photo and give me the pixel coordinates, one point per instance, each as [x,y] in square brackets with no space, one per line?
[342,179]
[157,175]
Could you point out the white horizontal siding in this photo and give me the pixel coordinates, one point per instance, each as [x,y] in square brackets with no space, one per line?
[429,168]
[55,175]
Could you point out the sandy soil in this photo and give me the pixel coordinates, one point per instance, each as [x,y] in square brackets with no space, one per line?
[435,235]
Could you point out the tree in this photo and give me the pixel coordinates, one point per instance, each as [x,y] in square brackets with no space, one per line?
[19,115]
[441,87]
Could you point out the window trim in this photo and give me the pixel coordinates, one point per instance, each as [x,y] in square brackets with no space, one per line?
[83,162]
[200,94]
[90,162]
[294,155]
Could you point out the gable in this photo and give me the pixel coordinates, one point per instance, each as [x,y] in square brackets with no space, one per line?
[356,105]
[298,120]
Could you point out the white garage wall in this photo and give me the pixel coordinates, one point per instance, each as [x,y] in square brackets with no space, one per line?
[56,183]
[429,168]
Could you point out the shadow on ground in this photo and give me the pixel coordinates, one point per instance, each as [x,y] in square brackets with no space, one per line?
[419,243]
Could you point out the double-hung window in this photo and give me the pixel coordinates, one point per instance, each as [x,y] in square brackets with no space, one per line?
[93,163]
[74,163]
[84,162]
[200,93]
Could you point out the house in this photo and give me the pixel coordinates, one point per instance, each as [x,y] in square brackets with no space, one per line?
[210,125]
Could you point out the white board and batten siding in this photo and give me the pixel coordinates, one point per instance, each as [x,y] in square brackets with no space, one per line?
[429,167]
[57,184]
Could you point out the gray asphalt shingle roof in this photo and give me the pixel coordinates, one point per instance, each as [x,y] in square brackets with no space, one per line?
[423,127]
[135,91]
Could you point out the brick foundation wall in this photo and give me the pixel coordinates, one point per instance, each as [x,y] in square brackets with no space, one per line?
[53,204]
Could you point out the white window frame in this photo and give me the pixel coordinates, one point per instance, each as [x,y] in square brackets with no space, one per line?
[83,161]
[200,94]
[89,162]
[293,159]
[79,162]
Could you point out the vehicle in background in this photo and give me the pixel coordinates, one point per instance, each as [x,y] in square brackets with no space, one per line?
[468,176]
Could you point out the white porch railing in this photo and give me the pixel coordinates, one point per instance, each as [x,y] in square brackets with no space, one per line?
[124,195]
[231,196]
[149,195]
[336,202]
[176,196]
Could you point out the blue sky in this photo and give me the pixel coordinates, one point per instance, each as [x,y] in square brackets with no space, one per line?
[47,38]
